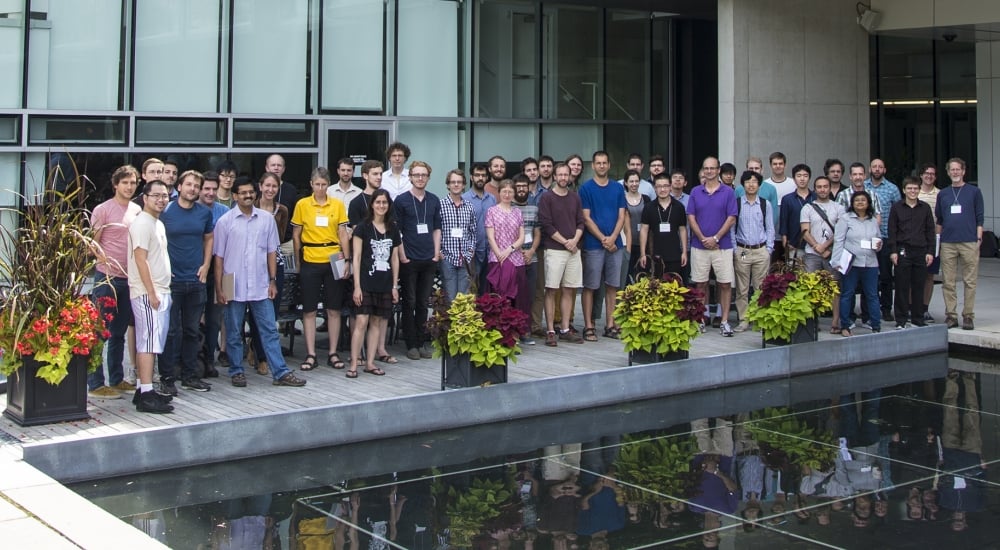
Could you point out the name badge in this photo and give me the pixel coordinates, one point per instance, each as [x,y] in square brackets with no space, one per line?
[456,232]
[866,244]
[528,238]
[322,221]
[421,229]
[956,209]
[664,227]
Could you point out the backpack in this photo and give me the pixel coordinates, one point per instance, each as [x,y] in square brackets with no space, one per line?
[988,248]
[763,209]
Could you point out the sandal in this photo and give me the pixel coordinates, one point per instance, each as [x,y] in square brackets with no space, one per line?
[351,374]
[846,332]
[612,332]
[387,359]
[835,330]
[338,364]
[309,363]
[376,371]
[590,335]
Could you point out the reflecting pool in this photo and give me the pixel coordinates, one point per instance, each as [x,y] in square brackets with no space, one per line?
[895,455]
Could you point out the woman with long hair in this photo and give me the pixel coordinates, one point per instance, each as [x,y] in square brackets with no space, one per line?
[269,184]
[376,278]
[856,239]
[575,163]
[505,235]
[636,203]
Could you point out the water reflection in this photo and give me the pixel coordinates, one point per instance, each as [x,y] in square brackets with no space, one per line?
[847,461]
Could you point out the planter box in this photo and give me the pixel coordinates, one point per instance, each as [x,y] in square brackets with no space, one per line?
[32,401]
[458,372]
[808,332]
[639,357]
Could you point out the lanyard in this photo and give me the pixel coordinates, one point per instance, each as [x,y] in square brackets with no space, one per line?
[956,195]
[659,210]
[415,212]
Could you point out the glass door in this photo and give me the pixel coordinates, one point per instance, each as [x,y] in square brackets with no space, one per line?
[357,141]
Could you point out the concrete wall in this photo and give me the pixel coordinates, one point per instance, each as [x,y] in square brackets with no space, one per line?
[793,77]
[988,114]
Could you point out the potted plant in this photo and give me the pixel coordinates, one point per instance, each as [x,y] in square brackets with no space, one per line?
[469,510]
[789,302]
[51,334]
[475,338]
[658,319]
[649,468]
[778,429]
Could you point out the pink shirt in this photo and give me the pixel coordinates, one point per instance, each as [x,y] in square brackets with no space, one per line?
[506,227]
[112,220]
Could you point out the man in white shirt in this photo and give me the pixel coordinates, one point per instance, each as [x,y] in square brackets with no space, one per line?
[397,180]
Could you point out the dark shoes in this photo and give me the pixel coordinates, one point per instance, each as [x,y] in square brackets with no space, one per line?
[967,323]
[151,402]
[195,384]
[239,380]
[289,380]
[168,388]
[951,322]
[887,315]
[571,337]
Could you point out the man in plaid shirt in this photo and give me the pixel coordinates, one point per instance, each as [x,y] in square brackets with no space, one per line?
[458,236]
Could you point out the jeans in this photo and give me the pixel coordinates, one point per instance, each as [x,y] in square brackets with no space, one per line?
[885,278]
[117,288]
[418,280]
[865,432]
[911,273]
[454,280]
[258,347]
[181,351]
[263,312]
[868,278]
[213,320]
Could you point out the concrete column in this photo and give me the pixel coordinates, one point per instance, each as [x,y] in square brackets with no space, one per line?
[988,123]
[793,77]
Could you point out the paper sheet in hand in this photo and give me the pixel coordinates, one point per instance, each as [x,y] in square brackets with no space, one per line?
[845,262]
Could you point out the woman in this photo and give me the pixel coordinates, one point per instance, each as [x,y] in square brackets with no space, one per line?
[857,234]
[575,163]
[267,201]
[505,234]
[636,202]
[376,278]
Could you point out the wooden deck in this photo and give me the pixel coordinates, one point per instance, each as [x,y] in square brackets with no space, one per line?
[327,386]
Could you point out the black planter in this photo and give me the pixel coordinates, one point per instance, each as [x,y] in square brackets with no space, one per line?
[808,332]
[458,372]
[32,401]
[642,357]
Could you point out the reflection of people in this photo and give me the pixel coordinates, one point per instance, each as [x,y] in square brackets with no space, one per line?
[962,447]
[602,510]
[715,492]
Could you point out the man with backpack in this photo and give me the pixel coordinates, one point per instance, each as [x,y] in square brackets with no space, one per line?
[754,234]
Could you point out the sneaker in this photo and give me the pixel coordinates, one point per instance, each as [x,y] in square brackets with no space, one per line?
[951,322]
[413,354]
[571,337]
[167,388]
[866,324]
[726,330]
[716,322]
[426,351]
[701,328]
[239,380]
[853,325]
[928,318]
[150,402]
[161,397]
[525,341]
[211,371]
[874,330]
[967,323]
[887,315]
[195,385]
[919,323]
[104,392]
[900,327]
[289,380]
[742,327]
[550,339]
[124,386]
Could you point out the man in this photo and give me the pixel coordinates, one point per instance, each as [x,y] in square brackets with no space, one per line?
[817,222]
[911,250]
[149,292]
[529,167]
[532,240]
[357,209]
[458,237]
[834,171]
[560,214]
[319,239]
[227,177]
[189,227]
[246,249]
[635,163]
[711,214]
[754,164]
[418,215]
[929,194]
[856,174]
[888,195]
[663,231]
[209,192]
[498,171]
[288,195]
[537,263]
[678,181]
[213,310]
[397,180]
[604,216]
[110,221]
[345,191]
[959,214]
[766,191]
[754,234]
[790,227]
[727,173]
[783,185]
[152,170]
[170,176]
[545,167]
[481,201]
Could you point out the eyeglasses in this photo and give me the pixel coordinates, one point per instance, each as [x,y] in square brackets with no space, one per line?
[420,176]
[460,182]
[246,193]
[158,196]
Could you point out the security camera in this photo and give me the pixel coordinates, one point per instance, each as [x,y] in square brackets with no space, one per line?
[950,37]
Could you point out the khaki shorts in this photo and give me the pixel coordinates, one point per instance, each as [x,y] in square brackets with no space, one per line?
[704,261]
[563,269]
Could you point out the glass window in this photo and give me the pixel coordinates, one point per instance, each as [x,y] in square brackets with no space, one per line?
[11,58]
[179,132]
[177,56]
[562,140]
[908,139]
[427,62]
[10,130]
[45,130]
[269,57]
[511,141]
[435,143]
[959,138]
[352,76]
[620,141]
[10,173]
[906,67]
[627,65]
[274,132]
[956,70]
[507,67]
[82,43]
[571,62]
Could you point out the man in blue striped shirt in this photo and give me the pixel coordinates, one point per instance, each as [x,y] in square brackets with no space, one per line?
[754,236]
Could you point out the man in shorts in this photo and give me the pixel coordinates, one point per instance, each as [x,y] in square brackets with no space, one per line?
[604,216]
[560,215]
[149,291]
[817,221]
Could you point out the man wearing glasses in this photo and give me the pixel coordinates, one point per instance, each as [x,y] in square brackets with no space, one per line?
[418,214]
[458,237]
[227,177]
[929,194]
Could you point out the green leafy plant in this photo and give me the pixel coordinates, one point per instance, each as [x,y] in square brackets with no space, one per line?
[790,296]
[779,428]
[487,329]
[659,464]
[660,316]
[470,509]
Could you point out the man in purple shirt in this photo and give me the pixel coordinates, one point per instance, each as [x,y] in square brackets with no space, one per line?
[245,249]
[711,213]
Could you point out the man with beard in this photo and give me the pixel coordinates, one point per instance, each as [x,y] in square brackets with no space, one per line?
[498,171]
[888,194]
[545,174]
[357,210]
[532,240]
[481,201]
[833,169]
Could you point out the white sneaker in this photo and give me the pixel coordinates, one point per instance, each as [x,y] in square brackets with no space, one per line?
[726,330]
[742,327]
